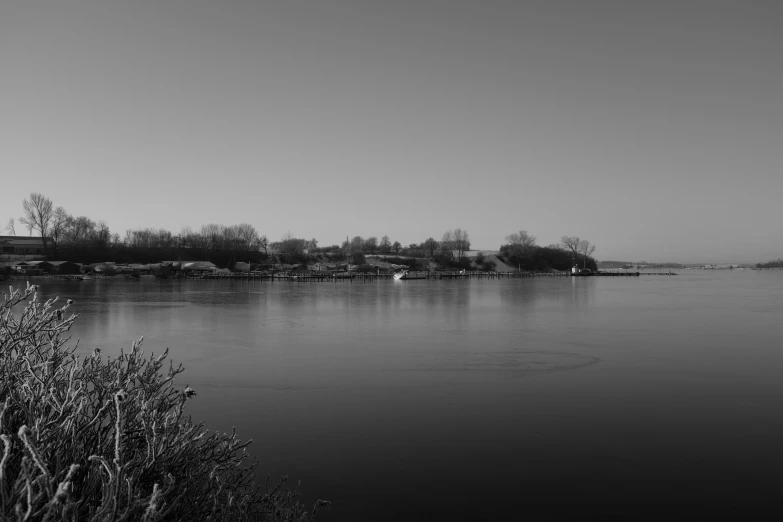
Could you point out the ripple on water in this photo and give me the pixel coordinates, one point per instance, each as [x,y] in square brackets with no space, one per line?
[522,362]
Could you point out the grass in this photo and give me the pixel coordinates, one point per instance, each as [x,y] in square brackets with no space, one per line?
[102,439]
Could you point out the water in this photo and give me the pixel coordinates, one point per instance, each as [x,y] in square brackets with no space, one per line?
[415,399]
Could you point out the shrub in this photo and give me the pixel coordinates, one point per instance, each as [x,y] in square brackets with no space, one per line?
[488,265]
[103,439]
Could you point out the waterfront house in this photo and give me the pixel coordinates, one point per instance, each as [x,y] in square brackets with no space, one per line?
[62,267]
[322,267]
[27,268]
[24,245]
[299,269]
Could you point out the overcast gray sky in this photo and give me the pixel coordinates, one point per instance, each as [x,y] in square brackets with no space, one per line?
[653,129]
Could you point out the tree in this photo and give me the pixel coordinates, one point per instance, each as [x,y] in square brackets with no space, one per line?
[185,238]
[357,244]
[461,242]
[521,244]
[9,227]
[396,247]
[385,245]
[263,242]
[586,248]
[211,236]
[571,243]
[371,245]
[38,214]
[78,231]
[59,223]
[291,248]
[431,246]
[103,235]
[247,235]
[447,244]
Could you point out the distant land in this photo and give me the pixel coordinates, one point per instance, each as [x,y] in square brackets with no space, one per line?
[649,264]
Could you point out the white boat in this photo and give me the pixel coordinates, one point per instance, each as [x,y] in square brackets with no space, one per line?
[399,275]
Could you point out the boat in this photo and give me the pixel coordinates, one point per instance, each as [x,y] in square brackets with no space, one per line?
[399,275]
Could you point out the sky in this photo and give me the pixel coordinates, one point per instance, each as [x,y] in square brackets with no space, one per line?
[652,129]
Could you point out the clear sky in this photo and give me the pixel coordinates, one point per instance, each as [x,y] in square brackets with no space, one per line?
[654,129]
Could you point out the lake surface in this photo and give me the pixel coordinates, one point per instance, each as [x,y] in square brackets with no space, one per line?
[410,399]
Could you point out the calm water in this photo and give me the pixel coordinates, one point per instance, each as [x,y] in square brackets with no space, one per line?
[403,400]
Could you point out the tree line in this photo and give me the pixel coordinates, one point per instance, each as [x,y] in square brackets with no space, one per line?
[771,264]
[522,251]
[79,238]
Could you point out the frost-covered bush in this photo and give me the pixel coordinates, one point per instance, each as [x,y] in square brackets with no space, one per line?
[101,439]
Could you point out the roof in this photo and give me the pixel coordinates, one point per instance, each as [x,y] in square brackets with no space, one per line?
[22,243]
[197,265]
[58,263]
[23,240]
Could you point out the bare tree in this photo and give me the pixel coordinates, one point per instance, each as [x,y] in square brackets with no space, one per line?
[38,212]
[586,248]
[103,233]
[211,236]
[371,245]
[571,243]
[461,242]
[263,242]
[78,231]
[447,244]
[59,223]
[291,248]
[521,243]
[385,245]
[247,235]
[9,227]
[431,246]
[396,247]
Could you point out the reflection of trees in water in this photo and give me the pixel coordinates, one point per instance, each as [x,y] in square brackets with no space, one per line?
[449,299]
[573,292]
[554,302]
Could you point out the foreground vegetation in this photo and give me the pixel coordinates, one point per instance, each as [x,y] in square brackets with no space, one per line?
[103,439]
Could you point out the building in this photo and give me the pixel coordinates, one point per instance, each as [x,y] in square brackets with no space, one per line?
[24,245]
[27,268]
[62,267]
[242,267]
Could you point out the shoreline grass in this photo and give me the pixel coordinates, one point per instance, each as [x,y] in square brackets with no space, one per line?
[104,439]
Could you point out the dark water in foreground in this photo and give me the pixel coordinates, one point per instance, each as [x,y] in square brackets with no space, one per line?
[416,399]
